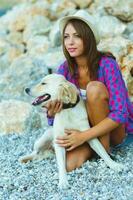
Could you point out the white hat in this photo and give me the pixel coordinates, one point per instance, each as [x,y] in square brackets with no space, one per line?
[85,17]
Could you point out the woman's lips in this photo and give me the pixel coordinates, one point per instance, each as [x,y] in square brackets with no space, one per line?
[71,50]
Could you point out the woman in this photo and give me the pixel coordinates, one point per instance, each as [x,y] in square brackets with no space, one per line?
[97,76]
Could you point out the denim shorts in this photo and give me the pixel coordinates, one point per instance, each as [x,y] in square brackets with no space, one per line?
[83,94]
[125,141]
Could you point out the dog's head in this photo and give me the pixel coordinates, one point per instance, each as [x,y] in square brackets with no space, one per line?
[53,86]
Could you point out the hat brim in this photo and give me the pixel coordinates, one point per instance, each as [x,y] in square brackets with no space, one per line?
[63,21]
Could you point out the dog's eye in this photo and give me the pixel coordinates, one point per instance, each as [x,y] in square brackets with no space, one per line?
[43,83]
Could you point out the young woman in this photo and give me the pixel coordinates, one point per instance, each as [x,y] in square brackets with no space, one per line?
[99,80]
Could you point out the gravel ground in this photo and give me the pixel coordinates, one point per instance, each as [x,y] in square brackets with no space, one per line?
[38,180]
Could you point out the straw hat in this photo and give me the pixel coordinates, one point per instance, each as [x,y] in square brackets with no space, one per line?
[85,17]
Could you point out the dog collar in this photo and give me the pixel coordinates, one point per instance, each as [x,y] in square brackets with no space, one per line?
[71,105]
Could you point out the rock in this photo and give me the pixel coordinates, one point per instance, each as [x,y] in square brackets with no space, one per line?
[4,45]
[23,71]
[17,117]
[17,18]
[8,53]
[128,33]
[82,4]
[109,23]
[97,8]
[128,78]
[4,63]
[131,36]
[127,58]
[117,45]
[38,45]
[121,9]
[63,8]
[127,69]
[14,51]
[3,29]
[36,25]
[129,28]
[54,35]
[53,59]
[15,37]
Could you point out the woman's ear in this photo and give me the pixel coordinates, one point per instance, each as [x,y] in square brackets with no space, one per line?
[67,92]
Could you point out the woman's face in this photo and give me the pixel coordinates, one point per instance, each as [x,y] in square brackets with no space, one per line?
[73,42]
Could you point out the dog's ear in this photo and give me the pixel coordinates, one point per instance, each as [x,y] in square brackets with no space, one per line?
[67,92]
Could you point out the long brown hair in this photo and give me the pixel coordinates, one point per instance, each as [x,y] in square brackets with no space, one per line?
[90,48]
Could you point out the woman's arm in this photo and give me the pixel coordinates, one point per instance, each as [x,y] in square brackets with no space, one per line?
[105,126]
[54,107]
[74,138]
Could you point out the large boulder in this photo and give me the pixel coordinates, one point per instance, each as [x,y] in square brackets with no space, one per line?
[109,23]
[38,44]
[121,9]
[18,117]
[83,4]
[127,69]
[36,25]
[23,72]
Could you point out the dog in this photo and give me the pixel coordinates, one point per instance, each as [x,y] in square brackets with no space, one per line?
[72,116]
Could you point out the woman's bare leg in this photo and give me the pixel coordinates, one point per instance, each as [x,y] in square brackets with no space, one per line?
[76,157]
[98,109]
[117,135]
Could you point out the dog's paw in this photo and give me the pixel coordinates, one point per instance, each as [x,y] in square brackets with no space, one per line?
[24,159]
[116,166]
[63,184]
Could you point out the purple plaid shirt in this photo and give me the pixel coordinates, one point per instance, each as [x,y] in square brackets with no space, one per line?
[121,109]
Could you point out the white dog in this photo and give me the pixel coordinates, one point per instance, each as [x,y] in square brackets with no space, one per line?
[72,116]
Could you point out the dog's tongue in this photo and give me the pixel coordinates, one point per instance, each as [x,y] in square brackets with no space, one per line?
[40,99]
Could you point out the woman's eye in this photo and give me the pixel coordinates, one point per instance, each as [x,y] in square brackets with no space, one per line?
[65,36]
[43,83]
[77,35]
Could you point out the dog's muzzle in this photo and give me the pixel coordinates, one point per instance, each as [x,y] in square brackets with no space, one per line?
[41,99]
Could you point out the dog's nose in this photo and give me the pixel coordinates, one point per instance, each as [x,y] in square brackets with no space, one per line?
[27,90]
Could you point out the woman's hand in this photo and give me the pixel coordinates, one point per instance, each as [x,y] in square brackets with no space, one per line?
[71,140]
[53,107]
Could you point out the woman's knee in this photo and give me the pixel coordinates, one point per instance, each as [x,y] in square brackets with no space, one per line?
[96,90]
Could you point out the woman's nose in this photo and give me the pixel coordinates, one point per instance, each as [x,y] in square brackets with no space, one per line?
[71,40]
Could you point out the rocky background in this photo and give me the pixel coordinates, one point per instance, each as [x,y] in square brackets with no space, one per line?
[30,47]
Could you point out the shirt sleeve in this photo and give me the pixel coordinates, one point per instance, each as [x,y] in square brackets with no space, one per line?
[50,120]
[117,91]
[63,69]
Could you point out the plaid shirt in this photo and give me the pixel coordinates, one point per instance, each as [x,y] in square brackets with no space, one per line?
[121,109]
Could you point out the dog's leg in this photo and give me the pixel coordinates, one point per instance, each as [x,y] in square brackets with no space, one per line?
[26,158]
[100,150]
[61,162]
[44,141]
[40,146]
